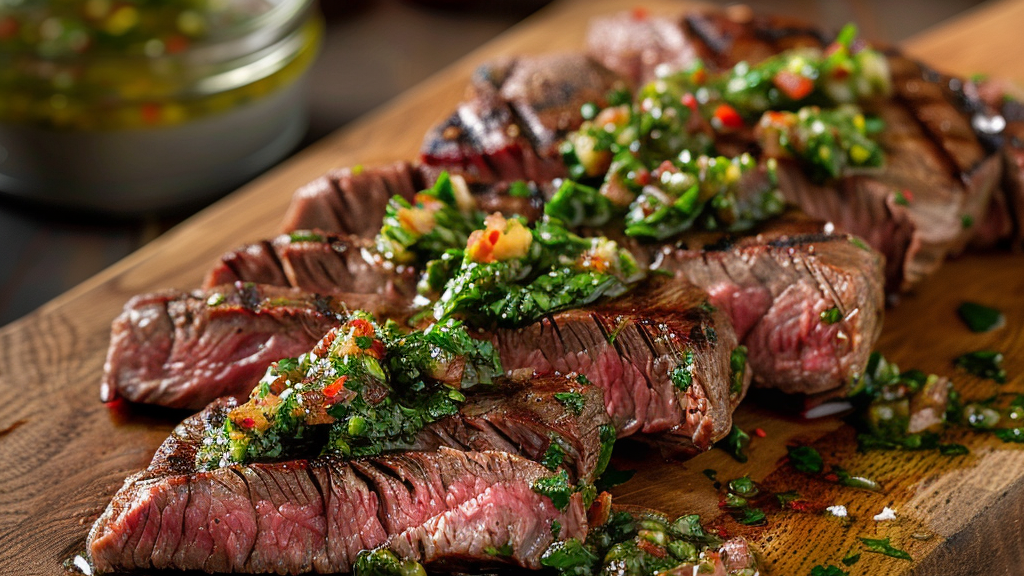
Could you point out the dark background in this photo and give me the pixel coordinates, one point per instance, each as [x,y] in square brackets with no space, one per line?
[373,50]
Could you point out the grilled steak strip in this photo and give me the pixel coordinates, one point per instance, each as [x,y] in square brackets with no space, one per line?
[351,200]
[937,177]
[776,285]
[315,261]
[183,349]
[516,114]
[629,347]
[525,420]
[316,515]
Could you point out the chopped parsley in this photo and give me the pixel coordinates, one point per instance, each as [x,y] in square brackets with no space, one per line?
[980,318]
[805,459]
[851,559]
[737,369]
[553,456]
[735,443]
[573,401]
[613,477]
[828,570]
[682,375]
[831,316]
[883,546]
[557,488]
[983,364]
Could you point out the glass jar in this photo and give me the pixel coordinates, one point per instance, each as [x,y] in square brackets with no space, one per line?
[139,105]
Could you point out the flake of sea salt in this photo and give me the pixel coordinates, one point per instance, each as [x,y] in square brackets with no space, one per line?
[839,511]
[886,514]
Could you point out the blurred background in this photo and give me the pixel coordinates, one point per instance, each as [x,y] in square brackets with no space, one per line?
[371,51]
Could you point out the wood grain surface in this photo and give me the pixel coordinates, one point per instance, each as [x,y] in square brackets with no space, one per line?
[63,454]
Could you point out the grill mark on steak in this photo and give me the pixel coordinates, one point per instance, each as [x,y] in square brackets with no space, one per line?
[337,264]
[175,349]
[775,283]
[653,326]
[298,516]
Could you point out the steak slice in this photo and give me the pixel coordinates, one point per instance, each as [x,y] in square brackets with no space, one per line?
[526,420]
[631,347]
[351,200]
[183,349]
[779,287]
[636,45]
[516,114]
[317,515]
[320,262]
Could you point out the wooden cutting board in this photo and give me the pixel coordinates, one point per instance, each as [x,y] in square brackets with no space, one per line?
[63,454]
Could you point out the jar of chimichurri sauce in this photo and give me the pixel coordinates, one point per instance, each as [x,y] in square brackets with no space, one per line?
[138,105]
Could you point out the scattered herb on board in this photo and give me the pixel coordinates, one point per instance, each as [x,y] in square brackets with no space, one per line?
[980,318]
[613,477]
[735,443]
[983,364]
[738,501]
[851,559]
[805,459]
[828,570]
[883,546]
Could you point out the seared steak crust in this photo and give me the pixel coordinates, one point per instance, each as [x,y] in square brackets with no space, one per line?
[629,347]
[183,349]
[937,189]
[316,515]
[315,261]
[775,287]
[351,200]
[516,113]
[526,419]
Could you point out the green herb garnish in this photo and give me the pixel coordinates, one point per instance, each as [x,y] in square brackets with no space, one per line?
[737,369]
[557,488]
[883,546]
[983,364]
[980,318]
[805,459]
[851,559]
[828,570]
[735,443]
[831,316]
[682,375]
[573,401]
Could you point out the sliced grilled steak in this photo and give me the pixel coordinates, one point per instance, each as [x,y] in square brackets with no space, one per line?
[635,45]
[659,353]
[316,515]
[183,349]
[938,178]
[999,117]
[807,304]
[526,419]
[517,113]
[351,200]
[318,262]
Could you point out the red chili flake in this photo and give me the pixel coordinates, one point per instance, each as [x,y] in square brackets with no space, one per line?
[760,433]
[640,13]
[361,327]
[728,117]
[722,504]
[247,423]
[690,101]
[830,477]
[643,177]
[793,85]
[652,549]
[908,195]
[377,350]
[334,388]
[802,506]
[722,532]
[150,113]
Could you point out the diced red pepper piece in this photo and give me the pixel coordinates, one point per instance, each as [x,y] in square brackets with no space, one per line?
[247,423]
[361,327]
[643,177]
[794,86]
[334,388]
[760,433]
[728,117]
